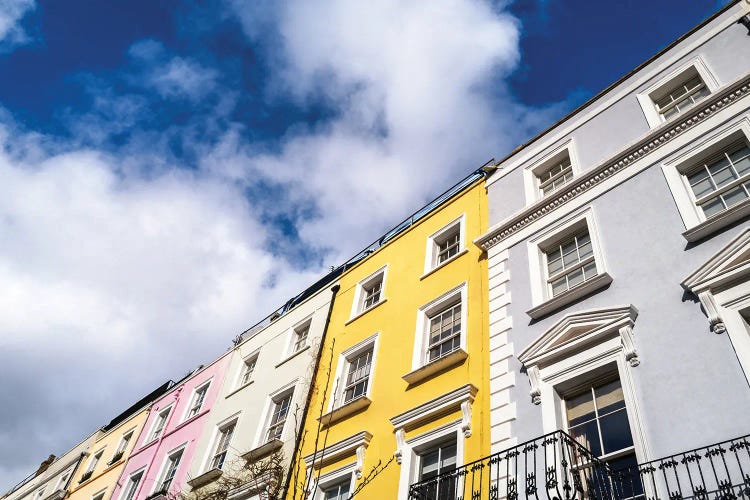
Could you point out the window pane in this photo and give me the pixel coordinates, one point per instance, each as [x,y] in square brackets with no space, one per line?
[559,286]
[609,397]
[701,184]
[580,408]
[587,435]
[723,176]
[575,278]
[734,195]
[589,270]
[712,206]
[615,431]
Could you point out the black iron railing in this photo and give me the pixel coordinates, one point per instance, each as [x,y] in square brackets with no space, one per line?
[556,467]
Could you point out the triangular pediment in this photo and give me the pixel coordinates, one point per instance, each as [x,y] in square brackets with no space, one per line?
[577,330]
[728,264]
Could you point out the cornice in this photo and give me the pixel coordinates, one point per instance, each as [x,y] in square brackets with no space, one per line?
[338,449]
[589,179]
[435,407]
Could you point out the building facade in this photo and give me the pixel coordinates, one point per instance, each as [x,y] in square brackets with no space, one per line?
[259,410]
[619,293]
[400,391]
[158,463]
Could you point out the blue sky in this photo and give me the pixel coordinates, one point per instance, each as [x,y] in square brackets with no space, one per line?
[174,170]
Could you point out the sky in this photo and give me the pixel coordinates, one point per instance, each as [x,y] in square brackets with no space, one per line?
[172,171]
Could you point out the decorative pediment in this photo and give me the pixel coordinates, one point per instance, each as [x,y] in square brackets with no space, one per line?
[729,264]
[576,331]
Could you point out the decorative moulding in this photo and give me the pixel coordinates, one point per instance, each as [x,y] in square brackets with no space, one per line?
[720,220]
[588,180]
[548,306]
[292,356]
[205,478]
[424,372]
[344,411]
[578,330]
[263,450]
[339,449]
[444,263]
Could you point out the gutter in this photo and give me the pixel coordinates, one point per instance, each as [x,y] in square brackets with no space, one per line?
[298,440]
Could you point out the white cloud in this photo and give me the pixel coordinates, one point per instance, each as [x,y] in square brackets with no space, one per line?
[11,14]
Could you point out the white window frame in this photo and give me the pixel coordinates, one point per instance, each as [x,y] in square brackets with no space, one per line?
[543,302]
[205,385]
[294,336]
[332,478]
[456,294]
[123,443]
[151,436]
[136,487]
[94,461]
[99,493]
[262,430]
[336,399]
[532,171]
[231,421]
[164,467]
[63,479]
[674,168]
[646,97]
[431,251]
[255,355]
[360,292]
[412,448]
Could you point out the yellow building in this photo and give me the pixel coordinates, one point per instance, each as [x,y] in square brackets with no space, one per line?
[101,468]
[403,374]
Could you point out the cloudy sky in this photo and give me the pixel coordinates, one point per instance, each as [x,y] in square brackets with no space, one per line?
[173,170]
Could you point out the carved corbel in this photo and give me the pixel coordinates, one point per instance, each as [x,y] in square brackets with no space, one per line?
[360,461]
[628,345]
[536,392]
[466,418]
[400,444]
[712,310]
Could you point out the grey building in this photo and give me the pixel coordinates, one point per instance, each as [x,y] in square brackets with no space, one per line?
[619,288]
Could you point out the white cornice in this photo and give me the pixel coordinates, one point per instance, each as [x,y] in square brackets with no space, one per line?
[587,180]
[728,264]
[341,448]
[435,408]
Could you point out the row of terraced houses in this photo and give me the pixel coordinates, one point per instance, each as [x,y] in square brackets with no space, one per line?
[570,322]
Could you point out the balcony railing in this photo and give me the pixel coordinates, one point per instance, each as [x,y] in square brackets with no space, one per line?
[556,467]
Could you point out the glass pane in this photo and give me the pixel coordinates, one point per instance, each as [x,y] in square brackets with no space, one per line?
[615,431]
[734,195]
[430,464]
[724,176]
[743,164]
[586,250]
[554,266]
[575,278]
[580,408]
[671,112]
[559,286]
[712,207]
[609,397]
[587,435]
[589,270]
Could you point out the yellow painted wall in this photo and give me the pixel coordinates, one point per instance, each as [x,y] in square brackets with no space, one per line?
[105,476]
[395,320]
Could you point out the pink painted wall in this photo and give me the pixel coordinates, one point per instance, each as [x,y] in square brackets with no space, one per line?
[176,433]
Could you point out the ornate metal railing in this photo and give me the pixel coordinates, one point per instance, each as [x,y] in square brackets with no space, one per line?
[556,467]
[719,471]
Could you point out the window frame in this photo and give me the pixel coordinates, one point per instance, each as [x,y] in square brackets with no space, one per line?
[647,99]
[304,325]
[151,433]
[216,441]
[334,477]
[254,357]
[676,168]
[158,485]
[432,249]
[273,400]
[99,494]
[122,445]
[360,293]
[457,294]
[336,399]
[533,170]
[543,302]
[204,386]
[124,492]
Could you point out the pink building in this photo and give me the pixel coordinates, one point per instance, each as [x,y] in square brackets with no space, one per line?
[162,455]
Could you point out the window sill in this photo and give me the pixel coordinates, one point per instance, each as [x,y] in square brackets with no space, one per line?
[263,450]
[444,263]
[205,478]
[187,422]
[423,373]
[362,313]
[239,389]
[292,356]
[718,221]
[58,494]
[345,411]
[597,282]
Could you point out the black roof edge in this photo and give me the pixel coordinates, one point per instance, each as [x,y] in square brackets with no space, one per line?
[153,395]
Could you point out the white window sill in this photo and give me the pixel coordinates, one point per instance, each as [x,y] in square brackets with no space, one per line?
[292,356]
[205,478]
[565,298]
[345,411]
[424,372]
[263,450]
[239,389]
[444,263]
[362,313]
[718,221]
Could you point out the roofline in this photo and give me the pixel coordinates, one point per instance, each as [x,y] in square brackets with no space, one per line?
[617,82]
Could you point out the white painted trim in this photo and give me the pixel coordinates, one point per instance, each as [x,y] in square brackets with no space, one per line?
[337,450]
[645,98]
[211,448]
[461,291]
[268,408]
[138,486]
[163,468]
[430,263]
[318,486]
[412,446]
[434,408]
[623,91]
[532,170]
[288,352]
[207,385]
[238,385]
[342,366]
[359,295]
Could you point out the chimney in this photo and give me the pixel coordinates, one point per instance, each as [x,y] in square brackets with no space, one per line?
[44,465]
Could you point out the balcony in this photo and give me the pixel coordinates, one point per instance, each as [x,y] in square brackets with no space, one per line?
[556,467]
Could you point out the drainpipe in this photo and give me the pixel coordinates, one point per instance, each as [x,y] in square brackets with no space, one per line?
[334,291]
[73,472]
